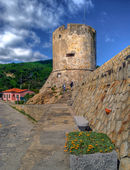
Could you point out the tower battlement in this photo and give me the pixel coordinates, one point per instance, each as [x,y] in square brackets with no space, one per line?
[74,28]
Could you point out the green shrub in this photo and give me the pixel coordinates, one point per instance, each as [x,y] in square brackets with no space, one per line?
[19,102]
[28,96]
[61,93]
[88,143]
[53,88]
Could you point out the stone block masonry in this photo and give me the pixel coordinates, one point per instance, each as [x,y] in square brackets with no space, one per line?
[96,161]
[74,47]
[74,54]
[107,87]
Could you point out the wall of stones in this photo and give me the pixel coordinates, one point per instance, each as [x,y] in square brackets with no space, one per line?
[58,78]
[108,87]
[74,47]
[36,111]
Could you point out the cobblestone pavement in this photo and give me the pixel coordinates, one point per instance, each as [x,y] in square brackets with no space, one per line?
[24,146]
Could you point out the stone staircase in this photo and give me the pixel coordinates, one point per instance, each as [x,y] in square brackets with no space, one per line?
[66,98]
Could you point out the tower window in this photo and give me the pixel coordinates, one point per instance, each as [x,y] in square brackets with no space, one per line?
[59,36]
[58,75]
[70,54]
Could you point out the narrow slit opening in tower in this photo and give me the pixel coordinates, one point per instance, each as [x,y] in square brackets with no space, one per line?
[58,75]
[70,54]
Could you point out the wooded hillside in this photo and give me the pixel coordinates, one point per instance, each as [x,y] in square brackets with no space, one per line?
[31,75]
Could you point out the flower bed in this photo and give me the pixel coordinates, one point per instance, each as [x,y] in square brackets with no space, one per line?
[88,143]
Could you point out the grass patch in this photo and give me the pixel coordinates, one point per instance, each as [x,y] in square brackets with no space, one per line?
[88,143]
[53,88]
[61,93]
[21,111]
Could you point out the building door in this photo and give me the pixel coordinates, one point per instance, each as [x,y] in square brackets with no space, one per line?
[13,97]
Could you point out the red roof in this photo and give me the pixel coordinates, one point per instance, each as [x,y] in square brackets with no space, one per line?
[15,90]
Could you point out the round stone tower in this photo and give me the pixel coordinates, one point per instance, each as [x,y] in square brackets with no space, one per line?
[74,48]
[74,55]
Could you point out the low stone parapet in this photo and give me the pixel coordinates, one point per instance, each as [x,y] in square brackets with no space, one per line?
[97,161]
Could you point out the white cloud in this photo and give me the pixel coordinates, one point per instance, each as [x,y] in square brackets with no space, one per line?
[22,52]
[21,18]
[8,38]
[20,55]
[104,17]
[27,13]
[47,45]
[75,5]
[109,39]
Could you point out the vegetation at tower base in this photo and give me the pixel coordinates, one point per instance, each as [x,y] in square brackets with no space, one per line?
[30,75]
[87,143]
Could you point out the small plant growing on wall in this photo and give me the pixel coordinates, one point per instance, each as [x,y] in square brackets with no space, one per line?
[53,89]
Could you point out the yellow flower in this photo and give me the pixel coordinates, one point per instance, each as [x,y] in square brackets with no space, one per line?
[65,150]
[110,147]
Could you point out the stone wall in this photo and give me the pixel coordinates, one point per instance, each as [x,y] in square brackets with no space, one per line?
[66,76]
[107,87]
[36,111]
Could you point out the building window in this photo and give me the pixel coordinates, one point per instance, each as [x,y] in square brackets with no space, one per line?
[70,54]
[58,75]
[9,96]
[59,36]
[17,96]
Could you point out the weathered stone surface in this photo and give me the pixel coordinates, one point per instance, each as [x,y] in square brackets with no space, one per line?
[125,135]
[74,49]
[97,161]
[124,149]
[125,164]
[111,92]
[118,126]
[118,140]
[81,121]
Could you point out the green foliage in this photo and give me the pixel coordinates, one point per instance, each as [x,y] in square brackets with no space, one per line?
[19,102]
[97,66]
[31,75]
[88,143]
[61,93]
[28,96]
[53,89]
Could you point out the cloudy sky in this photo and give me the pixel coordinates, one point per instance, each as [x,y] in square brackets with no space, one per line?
[26,26]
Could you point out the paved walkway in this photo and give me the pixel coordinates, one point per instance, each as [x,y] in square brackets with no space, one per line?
[41,148]
[15,130]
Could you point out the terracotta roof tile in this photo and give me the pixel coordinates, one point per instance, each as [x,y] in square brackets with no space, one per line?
[15,90]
